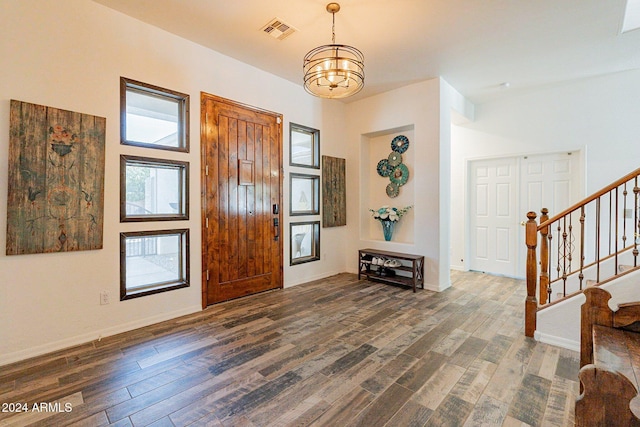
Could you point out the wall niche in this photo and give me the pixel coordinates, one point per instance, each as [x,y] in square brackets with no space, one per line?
[374,147]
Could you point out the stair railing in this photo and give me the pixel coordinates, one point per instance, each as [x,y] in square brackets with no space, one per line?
[590,238]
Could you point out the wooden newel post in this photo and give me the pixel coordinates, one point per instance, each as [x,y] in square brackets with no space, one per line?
[531,304]
[544,259]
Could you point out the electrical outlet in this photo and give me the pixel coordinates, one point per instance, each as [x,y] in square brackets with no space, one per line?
[104,298]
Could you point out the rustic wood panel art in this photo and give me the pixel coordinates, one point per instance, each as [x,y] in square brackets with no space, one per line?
[334,192]
[56,180]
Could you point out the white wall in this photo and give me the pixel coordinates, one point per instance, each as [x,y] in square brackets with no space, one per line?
[597,115]
[70,55]
[329,117]
[424,110]
[453,108]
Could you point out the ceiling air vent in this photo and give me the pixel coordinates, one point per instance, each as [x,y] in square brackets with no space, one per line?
[278,29]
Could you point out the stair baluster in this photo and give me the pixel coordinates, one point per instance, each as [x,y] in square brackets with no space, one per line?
[636,225]
[597,242]
[582,220]
[545,290]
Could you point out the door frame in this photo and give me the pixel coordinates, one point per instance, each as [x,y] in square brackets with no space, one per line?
[203,184]
[580,153]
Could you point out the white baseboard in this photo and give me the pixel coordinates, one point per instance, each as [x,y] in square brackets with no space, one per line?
[557,341]
[28,353]
[307,279]
[437,288]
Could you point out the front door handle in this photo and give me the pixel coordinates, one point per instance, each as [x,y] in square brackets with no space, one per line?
[276,226]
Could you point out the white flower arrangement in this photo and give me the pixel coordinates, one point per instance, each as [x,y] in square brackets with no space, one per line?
[389,213]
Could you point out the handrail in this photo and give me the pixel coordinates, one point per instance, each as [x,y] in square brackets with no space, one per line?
[591,198]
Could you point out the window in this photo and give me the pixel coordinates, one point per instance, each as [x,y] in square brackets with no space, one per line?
[153,117]
[153,189]
[305,242]
[153,261]
[304,194]
[304,146]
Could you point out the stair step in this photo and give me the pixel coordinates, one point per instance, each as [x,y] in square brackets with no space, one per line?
[623,268]
[587,283]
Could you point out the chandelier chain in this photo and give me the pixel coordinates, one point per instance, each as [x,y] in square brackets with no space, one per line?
[333,28]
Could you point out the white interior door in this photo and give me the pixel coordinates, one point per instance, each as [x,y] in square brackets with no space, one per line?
[551,181]
[493,221]
[502,191]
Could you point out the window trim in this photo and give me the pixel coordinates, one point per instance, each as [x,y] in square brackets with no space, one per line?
[184,188]
[154,288]
[183,111]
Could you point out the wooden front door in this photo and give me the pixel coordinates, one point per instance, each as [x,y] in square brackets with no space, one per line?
[241,200]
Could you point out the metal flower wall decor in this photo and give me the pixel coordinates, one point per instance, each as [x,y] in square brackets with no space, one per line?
[393,168]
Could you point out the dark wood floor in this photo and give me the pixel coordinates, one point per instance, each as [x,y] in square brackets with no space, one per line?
[335,352]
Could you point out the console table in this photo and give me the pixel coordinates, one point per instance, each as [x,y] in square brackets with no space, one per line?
[410,263]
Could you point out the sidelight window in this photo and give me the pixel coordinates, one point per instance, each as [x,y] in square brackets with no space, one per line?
[153,117]
[304,146]
[153,261]
[153,189]
[304,194]
[305,242]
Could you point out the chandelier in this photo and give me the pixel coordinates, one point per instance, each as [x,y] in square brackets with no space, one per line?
[334,70]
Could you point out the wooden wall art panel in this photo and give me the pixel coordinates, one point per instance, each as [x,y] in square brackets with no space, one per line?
[334,192]
[56,180]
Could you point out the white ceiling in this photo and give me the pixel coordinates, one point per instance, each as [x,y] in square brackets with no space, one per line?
[475,45]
